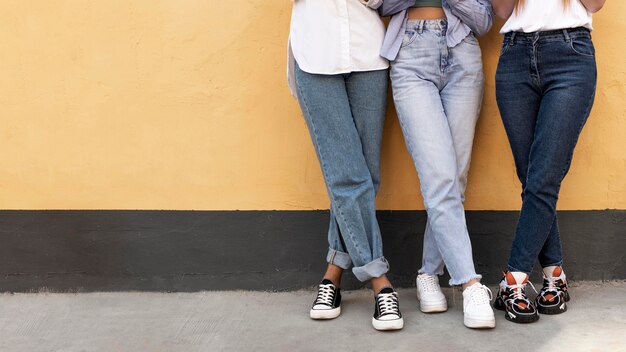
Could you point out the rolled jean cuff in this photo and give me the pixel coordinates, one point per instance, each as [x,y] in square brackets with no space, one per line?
[338,258]
[375,268]
[461,282]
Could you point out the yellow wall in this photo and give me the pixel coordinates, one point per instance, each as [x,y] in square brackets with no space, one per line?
[169,104]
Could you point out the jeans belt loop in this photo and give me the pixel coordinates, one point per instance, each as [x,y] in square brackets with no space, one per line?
[420,26]
[566,35]
[512,41]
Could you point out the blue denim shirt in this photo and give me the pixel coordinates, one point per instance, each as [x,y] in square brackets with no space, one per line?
[464,16]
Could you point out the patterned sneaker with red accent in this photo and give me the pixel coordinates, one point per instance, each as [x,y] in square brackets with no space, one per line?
[554,294]
[512,299]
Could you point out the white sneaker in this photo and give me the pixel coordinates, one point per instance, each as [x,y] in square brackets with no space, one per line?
[429,294]
[477,311]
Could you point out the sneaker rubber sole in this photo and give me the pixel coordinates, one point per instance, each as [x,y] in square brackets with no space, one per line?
[512,317]
[325,314]
[553,310]
[561,308]
[387,325]
[432,307]
[474,323]
[436,307]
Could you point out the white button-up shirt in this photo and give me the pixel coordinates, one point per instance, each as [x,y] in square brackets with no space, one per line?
[335,36]
[539,15]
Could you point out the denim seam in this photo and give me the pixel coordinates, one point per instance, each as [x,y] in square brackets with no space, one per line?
[409,142]
[535,59]
[332,260]
[444,51]
[506,45]
[580,129]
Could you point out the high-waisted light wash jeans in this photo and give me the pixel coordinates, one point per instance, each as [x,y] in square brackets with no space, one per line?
[345,114]
[438,92]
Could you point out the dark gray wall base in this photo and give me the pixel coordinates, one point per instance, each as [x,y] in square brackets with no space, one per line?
[257,250]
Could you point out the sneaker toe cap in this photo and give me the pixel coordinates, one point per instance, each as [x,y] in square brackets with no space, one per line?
[389,317]
[321,307]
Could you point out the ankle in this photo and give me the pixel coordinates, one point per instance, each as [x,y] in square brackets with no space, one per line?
[470,283]
[335,281]
[333,273]
[379,283]
[552,271]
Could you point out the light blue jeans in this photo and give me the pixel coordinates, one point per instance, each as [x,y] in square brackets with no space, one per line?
[345,114]
[438,93]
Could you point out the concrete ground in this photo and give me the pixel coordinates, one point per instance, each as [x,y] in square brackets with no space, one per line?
[261,321]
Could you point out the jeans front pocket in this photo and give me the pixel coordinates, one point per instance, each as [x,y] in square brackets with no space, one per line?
[470,39]
[583,46]
[409,37]
[506,44]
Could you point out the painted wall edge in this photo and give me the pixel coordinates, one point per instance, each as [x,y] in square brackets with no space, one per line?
[188,251]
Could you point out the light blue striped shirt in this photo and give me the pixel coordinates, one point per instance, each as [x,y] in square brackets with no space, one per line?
[464,16]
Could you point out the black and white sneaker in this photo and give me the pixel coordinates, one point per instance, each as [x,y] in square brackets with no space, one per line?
[554,294]
[327,305]
[512,299]
[387,314]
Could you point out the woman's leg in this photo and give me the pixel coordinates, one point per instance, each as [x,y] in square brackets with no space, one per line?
[326,106]
[518,99]
[417,78]
[425,77]
[462,100]
[432,260]
[367,93]
[545,89]
[344,114]
[567,87]
[337,258]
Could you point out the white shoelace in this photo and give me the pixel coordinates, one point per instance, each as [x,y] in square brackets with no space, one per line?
[388,303]
[325,294]
[480,294]
[552,287]
[429,283]
[518,293]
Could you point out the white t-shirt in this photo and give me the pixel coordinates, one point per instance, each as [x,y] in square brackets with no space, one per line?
[547,15]
[335,36]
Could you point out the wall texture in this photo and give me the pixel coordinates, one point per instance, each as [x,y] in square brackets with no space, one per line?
[137,104]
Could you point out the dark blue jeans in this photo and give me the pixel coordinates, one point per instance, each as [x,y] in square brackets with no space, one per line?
[545,87]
